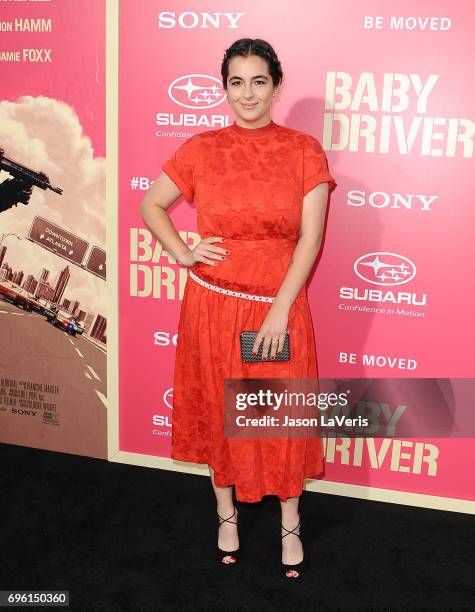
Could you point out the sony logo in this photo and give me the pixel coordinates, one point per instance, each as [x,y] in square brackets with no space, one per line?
[381,199]
[190,20]
[164,338]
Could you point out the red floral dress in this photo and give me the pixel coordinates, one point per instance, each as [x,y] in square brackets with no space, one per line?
[248,186]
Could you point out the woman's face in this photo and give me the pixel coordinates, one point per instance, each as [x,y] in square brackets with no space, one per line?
[250,90]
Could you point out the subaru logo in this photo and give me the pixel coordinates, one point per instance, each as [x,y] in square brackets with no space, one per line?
[168,398]
[197,91]
[382,268]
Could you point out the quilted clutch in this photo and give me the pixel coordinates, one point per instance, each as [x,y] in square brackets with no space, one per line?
[247,342]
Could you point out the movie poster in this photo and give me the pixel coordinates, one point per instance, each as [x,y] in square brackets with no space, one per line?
[53,311]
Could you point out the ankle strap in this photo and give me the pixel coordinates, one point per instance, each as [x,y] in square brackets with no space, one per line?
[223,520]
[290,530]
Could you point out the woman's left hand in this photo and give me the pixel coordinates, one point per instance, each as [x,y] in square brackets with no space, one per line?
[272,331]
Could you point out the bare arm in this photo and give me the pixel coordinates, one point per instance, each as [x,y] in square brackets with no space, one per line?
[308,245]
[272,331]
[153,210]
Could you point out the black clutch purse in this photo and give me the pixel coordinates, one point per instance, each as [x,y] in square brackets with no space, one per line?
[247,342]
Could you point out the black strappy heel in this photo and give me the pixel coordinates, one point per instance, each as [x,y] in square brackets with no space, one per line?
[227,553]
[298,567]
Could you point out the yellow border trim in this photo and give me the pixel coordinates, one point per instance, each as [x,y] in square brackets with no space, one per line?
[112,199]
[319,486]
[163,463]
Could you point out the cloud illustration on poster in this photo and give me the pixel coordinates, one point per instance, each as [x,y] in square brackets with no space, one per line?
[46,135]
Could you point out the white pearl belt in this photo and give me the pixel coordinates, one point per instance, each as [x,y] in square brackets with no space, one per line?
[246,296]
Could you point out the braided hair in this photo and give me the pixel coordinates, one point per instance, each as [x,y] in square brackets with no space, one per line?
[253,46]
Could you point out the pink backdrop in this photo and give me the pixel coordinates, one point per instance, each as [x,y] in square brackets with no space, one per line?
[400,145]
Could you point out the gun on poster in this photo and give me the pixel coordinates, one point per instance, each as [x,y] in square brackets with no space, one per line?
[19,188]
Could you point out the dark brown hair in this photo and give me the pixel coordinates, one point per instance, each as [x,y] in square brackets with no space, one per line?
[253,46]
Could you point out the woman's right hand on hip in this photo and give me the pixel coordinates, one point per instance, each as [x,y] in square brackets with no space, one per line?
[206,252]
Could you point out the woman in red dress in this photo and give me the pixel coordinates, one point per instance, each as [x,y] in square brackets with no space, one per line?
[260,191]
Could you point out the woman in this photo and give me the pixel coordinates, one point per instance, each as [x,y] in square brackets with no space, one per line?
[261,192]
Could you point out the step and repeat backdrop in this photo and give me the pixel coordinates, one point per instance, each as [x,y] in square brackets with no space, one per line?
[53,310]
[384,88]
[387,92]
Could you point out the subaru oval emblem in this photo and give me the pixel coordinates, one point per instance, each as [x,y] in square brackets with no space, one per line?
[197,91]
[168,398]
[383,268]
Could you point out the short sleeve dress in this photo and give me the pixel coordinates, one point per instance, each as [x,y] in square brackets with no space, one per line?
[248,186]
